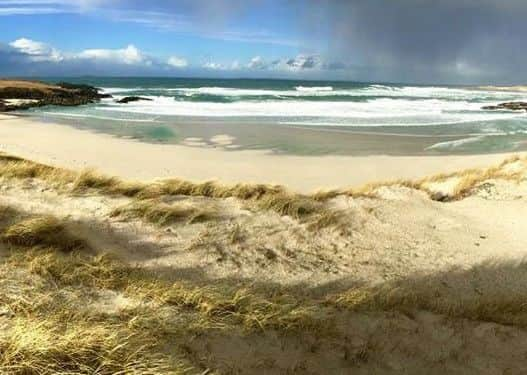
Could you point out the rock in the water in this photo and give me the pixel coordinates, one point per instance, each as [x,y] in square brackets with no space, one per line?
[85,90]
[129,99]
[514,106]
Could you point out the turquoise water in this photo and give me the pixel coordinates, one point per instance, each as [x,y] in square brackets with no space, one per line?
[302,117]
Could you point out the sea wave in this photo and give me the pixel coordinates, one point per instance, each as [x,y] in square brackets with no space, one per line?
[116,90]
[315,93]
[455,144]
[314,89]
[393,111]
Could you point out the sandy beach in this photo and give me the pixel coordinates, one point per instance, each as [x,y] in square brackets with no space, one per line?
[263,187]
[406,264]
[64,146]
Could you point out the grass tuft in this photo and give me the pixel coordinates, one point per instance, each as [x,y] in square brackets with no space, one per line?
[45,346]
[89,179]
[337,219]
[44,232]
[160,213]
[296,206]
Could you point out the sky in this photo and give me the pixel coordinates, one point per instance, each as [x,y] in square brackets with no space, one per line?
[419,41]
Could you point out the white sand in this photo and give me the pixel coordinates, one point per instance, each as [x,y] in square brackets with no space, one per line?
[516,88]
[65,146]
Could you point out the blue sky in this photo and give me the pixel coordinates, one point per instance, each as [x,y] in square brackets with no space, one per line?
[408,40]
[163,37]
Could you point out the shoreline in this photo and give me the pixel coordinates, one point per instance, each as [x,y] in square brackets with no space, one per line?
[69,147]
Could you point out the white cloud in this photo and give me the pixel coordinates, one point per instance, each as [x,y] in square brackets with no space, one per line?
[33,51]
[298,63]
[213,66]
[304,62]
[129,55]
[235,65]
[132,59]
[37,51]
[257,63]
[10,11]
[177,62]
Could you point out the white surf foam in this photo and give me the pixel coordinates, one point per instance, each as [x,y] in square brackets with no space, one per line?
[455,144]
[113,90]
[444,93]
[314,89]
[378,112]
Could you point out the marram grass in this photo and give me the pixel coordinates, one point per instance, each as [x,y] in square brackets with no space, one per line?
[266,197]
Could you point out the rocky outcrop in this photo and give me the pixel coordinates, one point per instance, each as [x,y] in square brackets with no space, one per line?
[6,106]
[129,99]
[40,94]
[514,106]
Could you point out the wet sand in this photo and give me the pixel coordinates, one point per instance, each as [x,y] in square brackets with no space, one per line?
[65,146]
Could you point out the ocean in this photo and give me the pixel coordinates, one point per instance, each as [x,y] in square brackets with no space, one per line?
[301,117]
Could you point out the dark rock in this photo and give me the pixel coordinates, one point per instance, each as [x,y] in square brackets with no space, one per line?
[63,94]
[128,99]
[81,89]
[439,196]
[513,106]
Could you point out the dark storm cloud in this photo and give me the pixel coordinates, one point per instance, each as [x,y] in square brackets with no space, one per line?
[429,40]
[395,40]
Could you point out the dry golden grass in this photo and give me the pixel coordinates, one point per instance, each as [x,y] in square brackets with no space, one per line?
[293,205]
[160,213]
[14,168]
[89,180]
[42,231]
[219,305]
[48,260]
[27,84]
[369,190]
[236,234]
[487,292]
[468,180]
[45,346]
[52,328]
[265,197]
[336,219]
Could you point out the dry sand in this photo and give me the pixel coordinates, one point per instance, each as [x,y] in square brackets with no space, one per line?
[516,88]
[463,251]
[65,146]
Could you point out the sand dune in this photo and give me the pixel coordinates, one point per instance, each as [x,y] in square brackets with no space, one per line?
[187,277]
